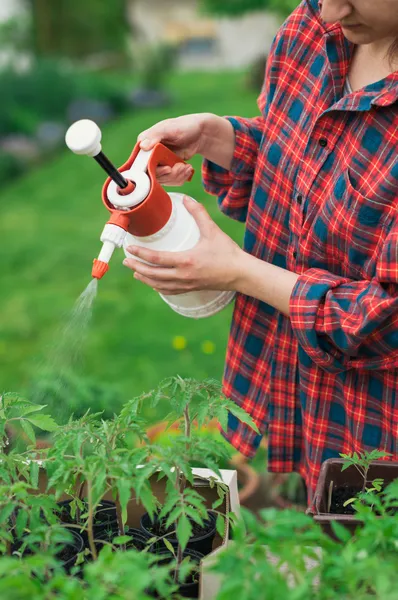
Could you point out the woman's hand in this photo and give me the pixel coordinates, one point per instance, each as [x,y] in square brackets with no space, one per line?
[211,136]
[213,264]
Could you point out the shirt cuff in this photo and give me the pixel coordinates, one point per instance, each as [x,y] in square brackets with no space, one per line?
[216,178]
[307,316]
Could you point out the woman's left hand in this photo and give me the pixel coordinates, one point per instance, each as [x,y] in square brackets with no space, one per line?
[213,264]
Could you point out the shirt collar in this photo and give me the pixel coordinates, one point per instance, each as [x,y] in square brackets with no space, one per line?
[381,93]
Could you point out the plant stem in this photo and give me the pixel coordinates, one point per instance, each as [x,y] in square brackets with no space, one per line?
[120,523]
[181,479]
[90,521]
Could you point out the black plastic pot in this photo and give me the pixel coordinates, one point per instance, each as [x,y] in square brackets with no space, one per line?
[200,543]
[67,556]
[105,518]
[332,478]
[78,546]
[139,541]
[187,589]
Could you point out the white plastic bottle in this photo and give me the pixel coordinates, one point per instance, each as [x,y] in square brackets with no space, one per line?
[144,214]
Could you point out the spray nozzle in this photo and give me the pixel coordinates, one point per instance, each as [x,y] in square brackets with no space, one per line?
[137,202]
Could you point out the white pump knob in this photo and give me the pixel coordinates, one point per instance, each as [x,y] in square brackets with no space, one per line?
[84,137]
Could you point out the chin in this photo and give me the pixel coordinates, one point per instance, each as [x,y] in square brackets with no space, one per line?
[357,37]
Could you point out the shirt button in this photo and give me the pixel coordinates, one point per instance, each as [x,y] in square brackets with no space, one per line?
[295,255]
[299,199]
[323,142]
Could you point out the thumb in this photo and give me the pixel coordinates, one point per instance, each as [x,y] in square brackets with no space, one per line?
[199,213]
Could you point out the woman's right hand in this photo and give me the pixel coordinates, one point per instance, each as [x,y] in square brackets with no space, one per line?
[184,136]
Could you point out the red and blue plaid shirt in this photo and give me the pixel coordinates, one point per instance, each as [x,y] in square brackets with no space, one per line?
[315,179]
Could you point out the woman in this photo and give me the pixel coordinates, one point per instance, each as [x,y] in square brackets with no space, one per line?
[313,351]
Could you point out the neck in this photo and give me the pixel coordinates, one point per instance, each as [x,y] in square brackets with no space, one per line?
[380,52]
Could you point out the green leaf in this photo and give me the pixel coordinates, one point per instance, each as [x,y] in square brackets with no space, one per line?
[169,546]
[25,408]
[243,416]
[44,422]
[184,531]
[21,522]
[220,525]
[121,539]
[222,416]
[5,513]
[29,431]
[340,531]
[346,466]
[350,501]
[217,503]
[124,493]
[34,474]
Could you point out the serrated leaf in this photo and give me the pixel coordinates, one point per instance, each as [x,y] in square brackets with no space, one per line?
[220,525]
[243,416]
[21,522]
[34,474]
[25,408]
[29,431]
[148,500]
[222,416]
[124,493]
[6,512]
[184,531]
[44,422]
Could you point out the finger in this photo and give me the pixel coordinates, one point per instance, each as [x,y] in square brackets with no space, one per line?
[171,289]
[200,214]
[164,131]
[176,180]
[156,273]
[160,259]
[163,171]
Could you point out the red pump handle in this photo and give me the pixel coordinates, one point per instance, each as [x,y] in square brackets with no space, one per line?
[154,212]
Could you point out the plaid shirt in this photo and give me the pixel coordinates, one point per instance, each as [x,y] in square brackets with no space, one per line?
[315,179]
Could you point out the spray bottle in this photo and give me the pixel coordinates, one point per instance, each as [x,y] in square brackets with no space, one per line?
[144,214]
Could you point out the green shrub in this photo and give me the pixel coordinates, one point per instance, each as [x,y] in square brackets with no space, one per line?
[44,91]
[41,92]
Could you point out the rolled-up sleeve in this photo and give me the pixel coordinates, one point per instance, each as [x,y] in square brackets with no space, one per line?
[346,324]
[233,187]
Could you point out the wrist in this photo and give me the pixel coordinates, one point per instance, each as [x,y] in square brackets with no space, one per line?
[242,272]
[217,140]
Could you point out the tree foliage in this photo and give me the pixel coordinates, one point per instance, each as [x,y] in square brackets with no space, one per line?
[76,29]
[239,7]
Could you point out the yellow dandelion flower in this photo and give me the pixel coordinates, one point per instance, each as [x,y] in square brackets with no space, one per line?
[179,342]
[208,347]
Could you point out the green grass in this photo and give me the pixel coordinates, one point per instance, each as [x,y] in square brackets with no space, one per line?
[50,225]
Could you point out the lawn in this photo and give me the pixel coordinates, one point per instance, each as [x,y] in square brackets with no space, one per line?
[50,225]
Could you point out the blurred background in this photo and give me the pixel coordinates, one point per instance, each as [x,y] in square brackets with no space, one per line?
[125,64]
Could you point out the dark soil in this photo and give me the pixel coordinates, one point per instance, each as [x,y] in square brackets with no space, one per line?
[190,587]
[139,541]
[158,528]
[103,516]
[67,553]
[340,496]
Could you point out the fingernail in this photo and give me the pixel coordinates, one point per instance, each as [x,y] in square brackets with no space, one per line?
[132,249]
[145,144]
[126,262]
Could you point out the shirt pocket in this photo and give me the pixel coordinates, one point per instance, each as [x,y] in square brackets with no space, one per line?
[350,228]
